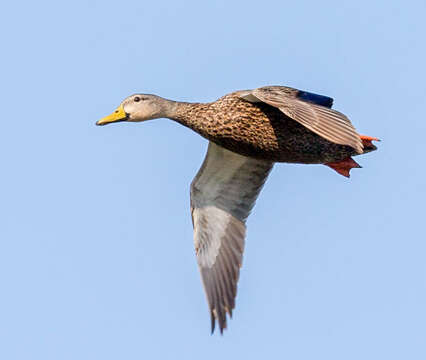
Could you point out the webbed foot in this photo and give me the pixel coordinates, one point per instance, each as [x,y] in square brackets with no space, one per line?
[343,167]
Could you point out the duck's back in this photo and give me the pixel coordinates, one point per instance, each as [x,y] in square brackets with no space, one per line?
[262,131]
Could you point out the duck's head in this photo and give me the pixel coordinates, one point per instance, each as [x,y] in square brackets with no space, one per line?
[139,107]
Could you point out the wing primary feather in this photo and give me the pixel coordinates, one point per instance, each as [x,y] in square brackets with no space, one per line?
[226,283]
[222,196]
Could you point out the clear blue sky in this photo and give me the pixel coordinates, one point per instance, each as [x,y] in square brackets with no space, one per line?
[96,251]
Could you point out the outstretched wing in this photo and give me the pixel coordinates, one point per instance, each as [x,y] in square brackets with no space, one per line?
[330,124]
[222,195]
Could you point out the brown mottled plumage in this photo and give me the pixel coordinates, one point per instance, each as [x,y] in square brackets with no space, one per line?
[248,131]
[260,131]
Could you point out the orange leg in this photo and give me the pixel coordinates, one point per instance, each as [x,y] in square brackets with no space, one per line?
[367,140]
[343,167]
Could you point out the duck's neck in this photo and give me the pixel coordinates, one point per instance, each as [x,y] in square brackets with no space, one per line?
[192,115]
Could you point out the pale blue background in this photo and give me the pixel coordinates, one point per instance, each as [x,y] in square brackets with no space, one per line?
[96,253]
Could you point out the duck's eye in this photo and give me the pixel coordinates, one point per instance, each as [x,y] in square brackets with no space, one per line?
[136,99]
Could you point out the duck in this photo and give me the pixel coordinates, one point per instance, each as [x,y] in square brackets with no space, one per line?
[248,132]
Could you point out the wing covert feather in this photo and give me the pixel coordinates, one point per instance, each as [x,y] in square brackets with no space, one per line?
[325,122]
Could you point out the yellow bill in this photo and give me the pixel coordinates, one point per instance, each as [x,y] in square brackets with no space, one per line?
[118,115]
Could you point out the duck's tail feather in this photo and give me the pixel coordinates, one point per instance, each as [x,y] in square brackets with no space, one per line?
[343,167]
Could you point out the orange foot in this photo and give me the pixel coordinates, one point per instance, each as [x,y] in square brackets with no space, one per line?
[344,166]
[367,140]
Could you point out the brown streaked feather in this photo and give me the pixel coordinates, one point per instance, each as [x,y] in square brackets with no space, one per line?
[222,196]
[330,124]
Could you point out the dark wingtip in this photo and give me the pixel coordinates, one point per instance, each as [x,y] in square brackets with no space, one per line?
[221,322]
[213,323]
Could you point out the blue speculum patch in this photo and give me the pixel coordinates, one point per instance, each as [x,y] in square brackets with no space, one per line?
[315,98]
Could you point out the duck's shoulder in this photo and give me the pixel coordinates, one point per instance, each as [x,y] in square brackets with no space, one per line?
[232,101]
[282,92]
